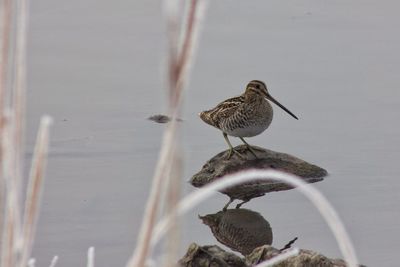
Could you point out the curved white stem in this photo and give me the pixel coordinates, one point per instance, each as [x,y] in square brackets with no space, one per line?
[279,258]
[320,202]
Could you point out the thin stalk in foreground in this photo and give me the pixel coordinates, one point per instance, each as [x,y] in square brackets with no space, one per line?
[54,261]
[178,63]
[279,258]
[12,220]
[18,92]
[34,190]
[317,199]
[90,257]
[146,230]
[31,262]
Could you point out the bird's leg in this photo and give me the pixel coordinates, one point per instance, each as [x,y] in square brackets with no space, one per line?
[227,204]
[249,147]
[231,150]
[241,203]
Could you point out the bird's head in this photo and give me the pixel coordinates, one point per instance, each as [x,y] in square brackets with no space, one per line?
[259,88]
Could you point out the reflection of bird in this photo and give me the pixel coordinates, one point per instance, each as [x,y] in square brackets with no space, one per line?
[242,230]
[246,115]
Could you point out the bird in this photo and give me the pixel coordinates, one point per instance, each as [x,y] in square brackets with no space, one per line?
[242,116]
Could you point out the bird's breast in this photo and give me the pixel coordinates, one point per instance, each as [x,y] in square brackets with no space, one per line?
[250,121]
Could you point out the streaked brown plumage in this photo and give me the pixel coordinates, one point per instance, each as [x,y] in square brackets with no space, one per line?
[246,115]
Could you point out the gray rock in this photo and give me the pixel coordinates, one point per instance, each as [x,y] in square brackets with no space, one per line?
[306,258]
[214,256]
[241,230]
[219,165]
[209,256]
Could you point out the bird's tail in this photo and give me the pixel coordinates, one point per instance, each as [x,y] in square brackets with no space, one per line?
[205,116]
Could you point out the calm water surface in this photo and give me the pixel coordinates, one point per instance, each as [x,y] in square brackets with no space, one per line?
[97,67]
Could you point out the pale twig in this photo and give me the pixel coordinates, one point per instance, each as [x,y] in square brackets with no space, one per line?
[34,190]
[320,202]
[31,262]
[90,257]
[6,236]
[54,261]
[279,258]
[142,247]
[5,28]
[177,63]
[172,199]
[11,228]
[18,90]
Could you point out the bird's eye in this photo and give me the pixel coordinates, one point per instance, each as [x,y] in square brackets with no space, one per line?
[258,86]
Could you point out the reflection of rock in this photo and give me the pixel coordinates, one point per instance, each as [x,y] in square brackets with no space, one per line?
[206,256]
[219,166]
[197,256]
[241,230]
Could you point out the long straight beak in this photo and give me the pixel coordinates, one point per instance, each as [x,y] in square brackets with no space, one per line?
[269,97]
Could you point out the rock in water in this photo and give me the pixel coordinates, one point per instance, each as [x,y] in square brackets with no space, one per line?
[206,256]
[159,118]
[306,258]
[241,230]
[214,256]
[219,166]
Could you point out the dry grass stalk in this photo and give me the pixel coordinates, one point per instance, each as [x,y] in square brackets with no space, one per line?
[19,86]
[173,195]
[54,261]
[5,28]
[31,263]
[317,199]
[90,257]
[179,60]
[141,251]
[281,257]
[17,244]
[34,189]
[12,225]
[16,240]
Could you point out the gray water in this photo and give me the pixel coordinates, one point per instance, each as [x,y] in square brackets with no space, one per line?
[97,68]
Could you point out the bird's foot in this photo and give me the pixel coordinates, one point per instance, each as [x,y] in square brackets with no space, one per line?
[233,151]
[252,151]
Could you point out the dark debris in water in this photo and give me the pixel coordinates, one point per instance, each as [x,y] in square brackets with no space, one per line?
[160,118]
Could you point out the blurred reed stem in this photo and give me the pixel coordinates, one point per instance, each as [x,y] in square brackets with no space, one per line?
[54,261]
[5,25]
[90,257]
[279,258]
[34,190]
[17,239]
[179,60]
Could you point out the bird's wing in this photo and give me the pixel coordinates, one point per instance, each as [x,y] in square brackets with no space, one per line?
[222,111]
